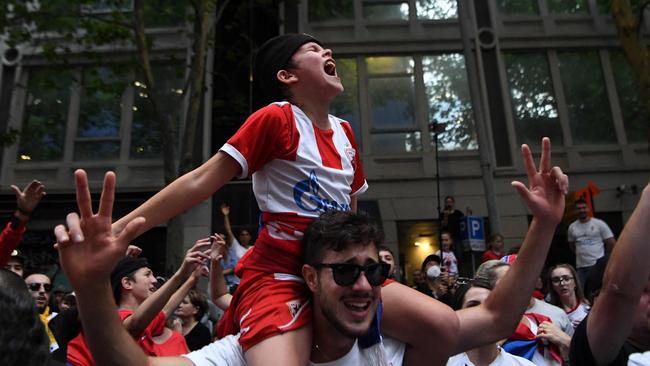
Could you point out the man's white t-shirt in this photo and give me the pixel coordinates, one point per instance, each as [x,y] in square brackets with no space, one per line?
[589,239]
[227,351]
[503,359]
[393,351]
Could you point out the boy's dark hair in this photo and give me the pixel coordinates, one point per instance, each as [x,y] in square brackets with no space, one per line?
[126,267]
[23,340]
[580,200]
[274,55]
[383,248]
[336,230]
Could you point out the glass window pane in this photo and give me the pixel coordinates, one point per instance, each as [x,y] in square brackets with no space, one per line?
[389,65]
[96,150]
[165,13]
[45,117]
[391,102]
[320,10]
[447,91]
[518,7]
[533,101]
[396,143]
[567,6]
[145,134]
[634,118]
[101,96]
[346,105]
[590,118]
[384,11]
[437,9]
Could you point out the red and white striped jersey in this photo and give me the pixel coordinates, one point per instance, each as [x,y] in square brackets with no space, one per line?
[297,168]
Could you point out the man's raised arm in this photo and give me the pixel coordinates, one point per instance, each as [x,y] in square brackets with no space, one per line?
[498,316]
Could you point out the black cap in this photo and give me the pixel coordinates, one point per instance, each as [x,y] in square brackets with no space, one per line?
[430,258]
[273,56]
[17,255]
[123,268]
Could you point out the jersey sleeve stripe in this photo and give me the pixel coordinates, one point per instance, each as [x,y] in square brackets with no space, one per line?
[235,154]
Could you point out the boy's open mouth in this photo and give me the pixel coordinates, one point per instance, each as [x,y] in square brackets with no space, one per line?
[330,67]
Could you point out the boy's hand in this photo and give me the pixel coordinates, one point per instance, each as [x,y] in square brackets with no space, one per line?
[196,256]
[87,249]
[547,186]
[28,198]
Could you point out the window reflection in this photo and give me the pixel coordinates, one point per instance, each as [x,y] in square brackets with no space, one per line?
[447,91]
[634,118]
[346,105]
[437,9]
[376,10]
[533,100]
[590,118]
[567,6]
[321,10]
[145,134]
[45,116]
[396,143]
[100,113]
[518,7]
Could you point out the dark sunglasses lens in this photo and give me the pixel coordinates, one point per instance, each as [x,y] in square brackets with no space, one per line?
[376,273]
[346,274]
[47,287]
[37,286]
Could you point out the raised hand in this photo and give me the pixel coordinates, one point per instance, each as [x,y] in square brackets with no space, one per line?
[547,185]
[218,248]
[196,256]
[29,197]
[87,249]
[225,209]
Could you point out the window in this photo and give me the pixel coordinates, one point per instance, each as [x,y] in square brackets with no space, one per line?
[346,105]
[533,102]
[145,134]
[567,6]
[634,118]
[392,105]
[517,7]
[449,102]
[98,129]
[590,118]
[322,10]
[45,118]
[437,9]
[385,10]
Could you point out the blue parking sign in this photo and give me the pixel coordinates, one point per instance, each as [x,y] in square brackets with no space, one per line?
[472,233]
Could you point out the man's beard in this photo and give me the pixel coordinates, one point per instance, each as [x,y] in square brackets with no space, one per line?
[329,313]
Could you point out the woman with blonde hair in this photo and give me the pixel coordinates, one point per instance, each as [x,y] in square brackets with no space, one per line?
[566,292]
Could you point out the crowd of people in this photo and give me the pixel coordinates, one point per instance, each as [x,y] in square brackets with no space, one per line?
[317,287]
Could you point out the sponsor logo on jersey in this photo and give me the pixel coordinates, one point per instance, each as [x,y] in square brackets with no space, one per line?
[350,152]
[306,195]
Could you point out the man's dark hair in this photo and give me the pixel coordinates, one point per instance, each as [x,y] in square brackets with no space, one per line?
[336,230]
[23,340]
[579,201]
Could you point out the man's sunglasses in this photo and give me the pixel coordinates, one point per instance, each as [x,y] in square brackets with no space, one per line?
[36,286]
[346,274]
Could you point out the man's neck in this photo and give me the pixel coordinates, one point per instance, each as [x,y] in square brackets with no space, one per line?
[483,355]
[128,302]
[585,220]
[328,343]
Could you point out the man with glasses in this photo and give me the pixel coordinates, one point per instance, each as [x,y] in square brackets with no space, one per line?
[40,287]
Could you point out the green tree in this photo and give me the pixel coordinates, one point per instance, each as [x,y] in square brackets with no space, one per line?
[62,30]
[628,17]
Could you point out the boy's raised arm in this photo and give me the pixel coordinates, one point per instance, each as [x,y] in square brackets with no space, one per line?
[186,191]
